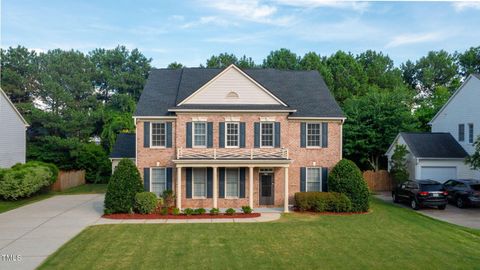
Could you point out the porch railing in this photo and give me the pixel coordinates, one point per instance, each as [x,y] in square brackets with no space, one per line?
[232,153]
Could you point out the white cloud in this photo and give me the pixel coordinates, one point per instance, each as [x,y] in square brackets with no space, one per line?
[461,6]
[354,5]
[407,39]
[207,20]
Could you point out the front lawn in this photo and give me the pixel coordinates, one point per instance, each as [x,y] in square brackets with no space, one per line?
[388,238]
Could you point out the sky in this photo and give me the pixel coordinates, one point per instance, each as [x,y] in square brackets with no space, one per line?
[189,32]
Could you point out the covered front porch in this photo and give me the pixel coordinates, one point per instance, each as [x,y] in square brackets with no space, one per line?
[263,183]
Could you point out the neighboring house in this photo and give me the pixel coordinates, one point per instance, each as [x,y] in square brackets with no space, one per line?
[231,137]
[456,126]
[12,133]
[124,147]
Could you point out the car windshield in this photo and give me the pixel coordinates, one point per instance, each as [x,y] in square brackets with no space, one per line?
[475,187]
[431,187]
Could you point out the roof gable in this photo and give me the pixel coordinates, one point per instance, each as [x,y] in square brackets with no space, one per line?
[232,86]
[9,102]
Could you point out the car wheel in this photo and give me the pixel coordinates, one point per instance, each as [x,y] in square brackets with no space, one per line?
[395,198]
[442,207]
[414,204]
[459,202]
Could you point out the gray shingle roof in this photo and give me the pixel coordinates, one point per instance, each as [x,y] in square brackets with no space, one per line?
[433,145]
[124,146]
[304,91]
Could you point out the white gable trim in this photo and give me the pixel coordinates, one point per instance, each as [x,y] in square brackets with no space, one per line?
[14,108]
[232,66]
[451,98]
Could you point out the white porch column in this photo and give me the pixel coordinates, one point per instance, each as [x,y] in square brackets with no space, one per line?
[215,187]
[179,188]
[285,197]
[250,186]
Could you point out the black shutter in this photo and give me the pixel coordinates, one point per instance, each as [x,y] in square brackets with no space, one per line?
[242,134]
[256,131]
[189,135]
[168,130]
[221,182]
[188,178]
[325,134]
[209,182]
[277,134]
[169,179]
[146,134]
[146,179]
[324,179]
[209,134]
[221,134]
[242,183]
[303,132]
[303,179]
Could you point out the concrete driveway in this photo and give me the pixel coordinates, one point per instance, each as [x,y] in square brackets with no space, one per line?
[468,217]
[35,231]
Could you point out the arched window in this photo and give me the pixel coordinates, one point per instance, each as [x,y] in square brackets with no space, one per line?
[232,95]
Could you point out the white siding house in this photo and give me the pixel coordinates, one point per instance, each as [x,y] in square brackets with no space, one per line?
[12,133]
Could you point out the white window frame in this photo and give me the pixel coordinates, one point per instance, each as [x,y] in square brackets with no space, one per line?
[238,134]
[238,184]
[151,178]
[471,139]
[151,134]
[306,135]
[193,134]
[320,174]
[193,183]
[273,134]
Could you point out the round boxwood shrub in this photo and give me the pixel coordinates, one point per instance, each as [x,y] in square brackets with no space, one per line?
[145,202]
[347,178]
[122,188]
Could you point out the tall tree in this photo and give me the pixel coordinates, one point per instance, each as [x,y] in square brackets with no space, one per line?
[380,70]
[438,68]
[175,65]
[427,107]
[469,61]
[409,73]
[120,71]
[282,59]
[221,61]
[313,61]
[246,62]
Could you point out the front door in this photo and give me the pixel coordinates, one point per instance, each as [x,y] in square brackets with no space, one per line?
[266,188]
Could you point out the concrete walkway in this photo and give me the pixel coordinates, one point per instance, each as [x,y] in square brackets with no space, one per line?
[37,230]
[467,217]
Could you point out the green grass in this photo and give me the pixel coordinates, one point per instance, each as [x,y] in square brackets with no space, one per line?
[83,189]
[389,237]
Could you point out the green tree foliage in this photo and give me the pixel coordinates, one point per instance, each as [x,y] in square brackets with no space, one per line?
[122,188]
[224,60]
[469,61]
[175,65]
[379,70]
[347,178]
[120,71]
[117,118]
[427,107]
[373,121]
[398,164]
[246,62]
[474,160]
[282,59]
[313,61]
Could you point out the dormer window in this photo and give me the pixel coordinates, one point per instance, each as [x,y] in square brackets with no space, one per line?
[232,95]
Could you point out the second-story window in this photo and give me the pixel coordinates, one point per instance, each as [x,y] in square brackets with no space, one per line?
[266,134]
[158,135]
[314,135]
[199,134]
[232,135]
[470,133]
[461,132]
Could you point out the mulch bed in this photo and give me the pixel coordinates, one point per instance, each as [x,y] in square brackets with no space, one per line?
[331,213]
[181,216]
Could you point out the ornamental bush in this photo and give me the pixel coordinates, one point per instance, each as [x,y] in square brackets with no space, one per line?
[200,211]
[230,211]
[122,188]
[188,211]
[23,180]
[214,211]
[322,202]
[145,202]
[247,209]
[347,178]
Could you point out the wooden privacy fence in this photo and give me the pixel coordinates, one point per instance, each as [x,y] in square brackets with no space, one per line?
[378,181]
[69,179]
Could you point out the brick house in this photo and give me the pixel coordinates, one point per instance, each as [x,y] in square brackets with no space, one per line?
[231,137]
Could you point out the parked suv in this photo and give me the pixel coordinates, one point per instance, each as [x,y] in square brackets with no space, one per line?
[463,192]
[420,193]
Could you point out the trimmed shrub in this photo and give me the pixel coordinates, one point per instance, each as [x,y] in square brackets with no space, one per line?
[347,178]
[168,197]
[122,188]
[164,211]
[247,209]
[188,211]
[230,211]
[322,202]
[214,211]
[23,180]
[200,211]
[176,211]
[145,202]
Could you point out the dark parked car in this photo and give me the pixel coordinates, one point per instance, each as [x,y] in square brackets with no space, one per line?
[463,192]
[420,193]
